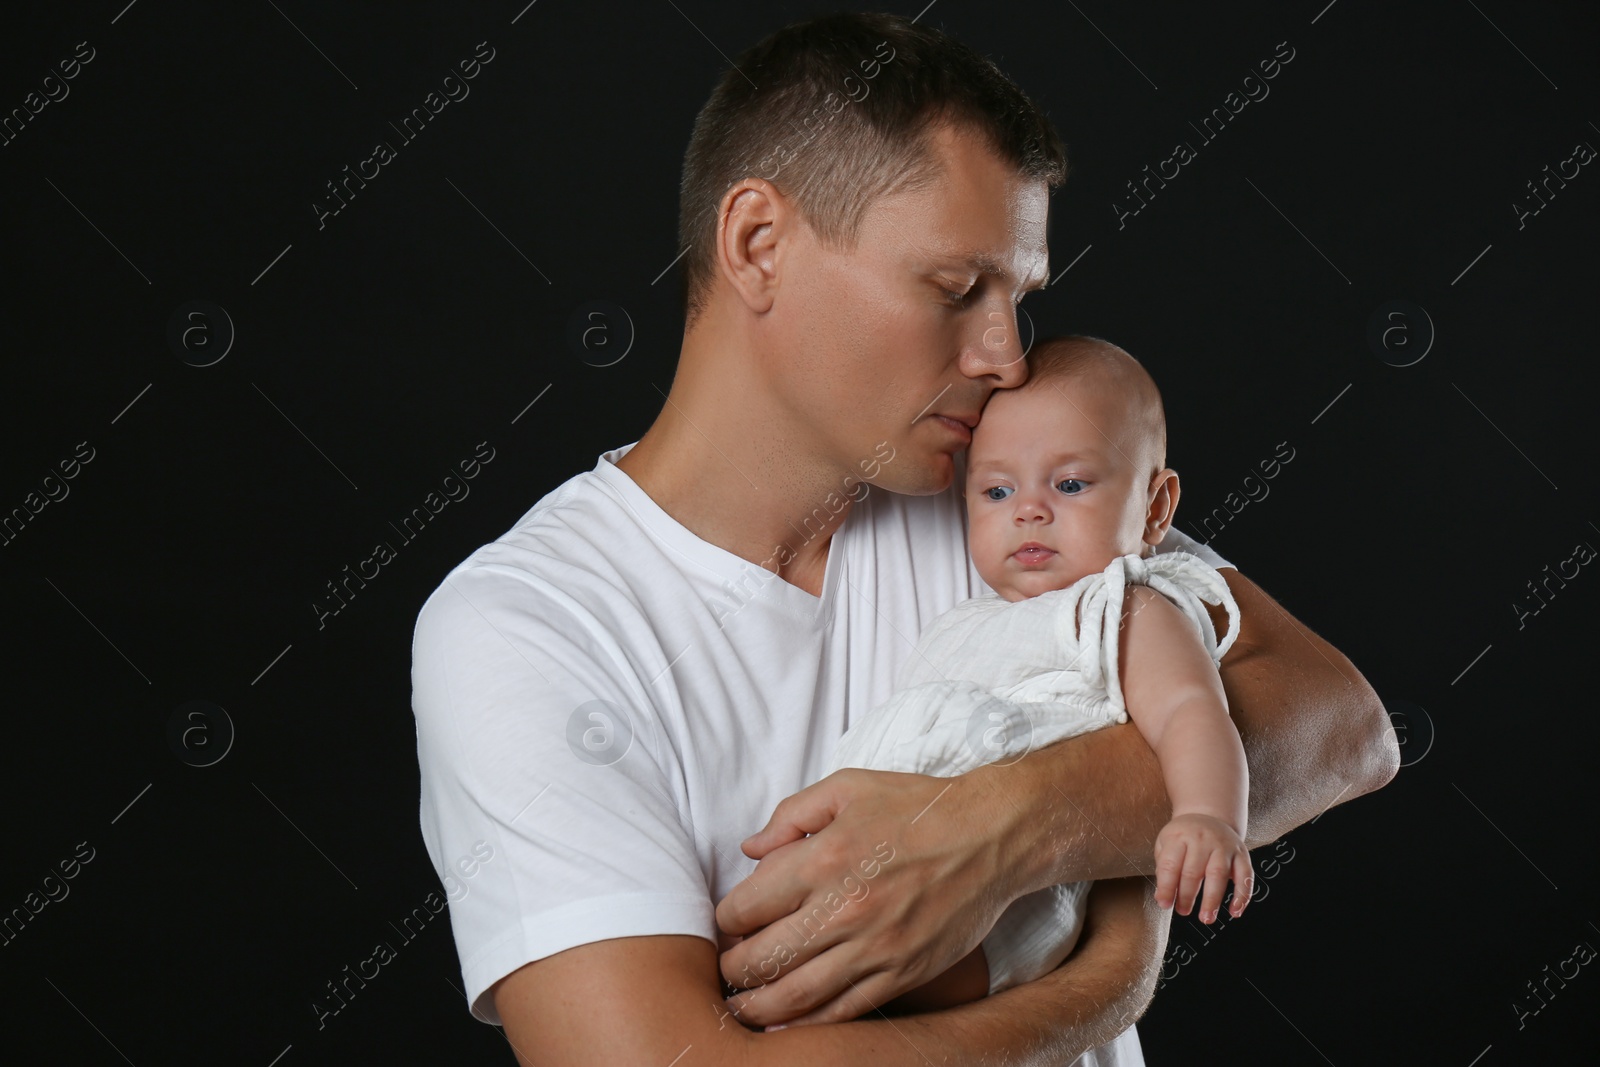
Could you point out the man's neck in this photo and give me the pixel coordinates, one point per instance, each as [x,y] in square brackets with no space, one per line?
[728,464]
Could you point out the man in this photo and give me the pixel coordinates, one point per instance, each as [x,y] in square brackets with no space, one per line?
[612,695]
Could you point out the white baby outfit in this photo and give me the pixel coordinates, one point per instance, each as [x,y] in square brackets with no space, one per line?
[992,679]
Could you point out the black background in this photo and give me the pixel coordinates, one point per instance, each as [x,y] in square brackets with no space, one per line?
[376,352]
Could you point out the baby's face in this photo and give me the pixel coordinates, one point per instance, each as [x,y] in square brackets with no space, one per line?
[1047,467]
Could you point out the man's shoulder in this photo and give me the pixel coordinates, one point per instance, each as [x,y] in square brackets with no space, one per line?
[543,551]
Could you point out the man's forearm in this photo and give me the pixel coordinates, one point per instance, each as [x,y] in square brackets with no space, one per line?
[1082,809]
[1097,993]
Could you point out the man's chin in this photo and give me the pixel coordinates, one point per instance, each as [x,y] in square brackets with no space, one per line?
[933,475]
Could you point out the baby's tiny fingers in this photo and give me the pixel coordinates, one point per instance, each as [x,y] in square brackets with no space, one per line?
[1216,879]
[1244,879]
[1168,864]
[1194,869]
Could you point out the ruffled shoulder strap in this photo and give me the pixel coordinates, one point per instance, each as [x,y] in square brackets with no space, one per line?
[1097,599]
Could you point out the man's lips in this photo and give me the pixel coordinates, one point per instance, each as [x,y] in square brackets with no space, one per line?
[956,426]
[1033,554]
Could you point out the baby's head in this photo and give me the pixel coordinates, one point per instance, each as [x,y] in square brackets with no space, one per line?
[1074,461]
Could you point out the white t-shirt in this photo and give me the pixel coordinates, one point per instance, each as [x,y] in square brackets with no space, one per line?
[607,705]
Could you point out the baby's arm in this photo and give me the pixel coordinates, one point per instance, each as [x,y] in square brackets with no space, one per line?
[1174,695]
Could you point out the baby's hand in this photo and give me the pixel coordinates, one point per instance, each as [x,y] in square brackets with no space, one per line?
[1192,847]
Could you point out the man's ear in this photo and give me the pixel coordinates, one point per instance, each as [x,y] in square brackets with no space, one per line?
[754,216]
[1164,493]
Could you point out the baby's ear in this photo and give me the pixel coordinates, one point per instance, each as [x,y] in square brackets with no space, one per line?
[1162,505]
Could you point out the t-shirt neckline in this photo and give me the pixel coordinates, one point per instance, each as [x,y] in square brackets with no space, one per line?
[744,577]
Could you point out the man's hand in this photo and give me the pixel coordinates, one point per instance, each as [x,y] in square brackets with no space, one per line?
[902,877]
[1193,847]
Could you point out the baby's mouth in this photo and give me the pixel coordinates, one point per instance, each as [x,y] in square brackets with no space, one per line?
[1033,554]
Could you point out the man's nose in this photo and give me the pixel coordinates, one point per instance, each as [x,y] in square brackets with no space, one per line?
[997,350]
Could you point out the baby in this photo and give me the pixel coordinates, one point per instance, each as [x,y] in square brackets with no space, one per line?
[1066,492]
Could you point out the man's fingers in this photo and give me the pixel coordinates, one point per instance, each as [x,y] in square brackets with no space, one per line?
[805,812]
[817,983]
[853,1003]
[765,957]
[775,889]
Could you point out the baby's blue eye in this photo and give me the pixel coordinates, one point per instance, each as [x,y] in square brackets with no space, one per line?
[993,489]
[1070,481]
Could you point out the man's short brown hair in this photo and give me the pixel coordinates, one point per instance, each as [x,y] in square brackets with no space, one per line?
[836,112]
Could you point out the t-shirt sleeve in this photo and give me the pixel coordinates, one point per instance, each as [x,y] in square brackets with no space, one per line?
[551,806]
[1178,541]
